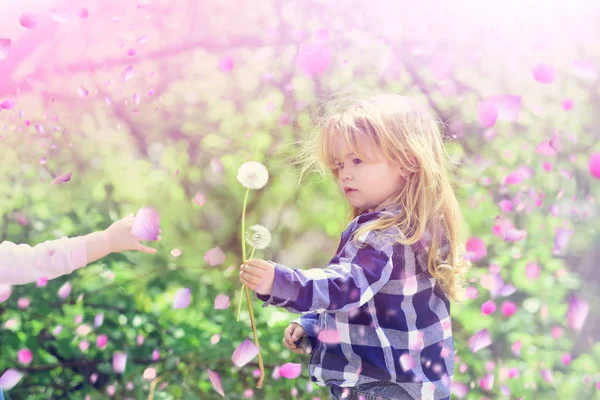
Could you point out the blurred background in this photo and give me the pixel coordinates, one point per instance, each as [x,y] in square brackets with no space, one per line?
[156,103]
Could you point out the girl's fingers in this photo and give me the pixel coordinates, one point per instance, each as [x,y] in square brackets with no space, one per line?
[145,249]
[250,278]
[249,269]
[259,264]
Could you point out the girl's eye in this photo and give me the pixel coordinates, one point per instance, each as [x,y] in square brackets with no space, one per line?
[357,161]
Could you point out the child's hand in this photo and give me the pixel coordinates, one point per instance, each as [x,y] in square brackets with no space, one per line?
[120,238]
[292,334]
[258,275]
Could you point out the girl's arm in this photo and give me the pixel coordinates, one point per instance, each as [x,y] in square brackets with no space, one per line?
[344,285]
[21,264]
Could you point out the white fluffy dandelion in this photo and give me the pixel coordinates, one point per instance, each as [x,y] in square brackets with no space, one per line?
[258,237]
[253,175]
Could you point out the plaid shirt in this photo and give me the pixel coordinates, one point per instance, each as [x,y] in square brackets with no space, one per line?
[374,314]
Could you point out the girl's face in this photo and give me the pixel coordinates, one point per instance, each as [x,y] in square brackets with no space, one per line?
[370,183]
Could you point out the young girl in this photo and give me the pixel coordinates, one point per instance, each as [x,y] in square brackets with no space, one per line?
[378,316]
[21,264]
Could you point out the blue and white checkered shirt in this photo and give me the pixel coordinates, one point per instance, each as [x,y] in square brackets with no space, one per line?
[374,314]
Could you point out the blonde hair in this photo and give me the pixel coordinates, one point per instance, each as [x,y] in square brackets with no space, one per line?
[408,136]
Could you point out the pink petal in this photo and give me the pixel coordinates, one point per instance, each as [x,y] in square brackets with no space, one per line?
[182,298]
[532,271]
[82,92]
[199,199]
[98,320]
[489,307]
[131,52]
[514,178]
[175,252]
[329,336]
[222,302]
[215,379]
[566,359]
[23,303]
[476,246]
[146,224]
[547,375]
[509,308]
[545,149]
[4,48]
[514,235]
[290,370]
[5,292]
[544,73]
[65,290]
[567,104]
[127,74]
[83,13]
[508,106]
[25,356]
[487,114]
[101,341]
[62,178]
[42,282]
[313,58]
[594,165]
[561,239]
[407,362]
[7,104]
[506,205]
[480,340]
[577,313]
[149,373]
[226,64]
[10,378]
[119,362]
[155,355]
[244,353]
[214,257]
[29,21]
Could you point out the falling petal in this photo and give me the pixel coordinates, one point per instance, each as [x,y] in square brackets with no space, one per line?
[226,64]
[577,313]
[532,271]
[142,39]
[127,74]
[214,257]
[290,370]
[62,178]
[42,282]
[149,373]
[199,199]
[561,239]
[182,298]
[119,362]
[407,362]
[25,356]
[59,16]
[23,302]
[29,21]
[101,342]
[146,224]
[244,353]
[544,73]
[83,92]
[506,205]
[509,308]
[566,359]
[513,178]
[131,52]
[487,114]
[4,48]
[7,104]
[594,165]
[476,246]
[329,336]
[545,149]
[214,339]
[221,302]
[175,252]
[215,379]
[10,378]
[313,58]
[567,104]
[480,340]
[514,235]
[98,320]
[585,69]
[136,99]
[83,13]
[65,290]
[547,375]
[489,307]
[155,355]
[5,292]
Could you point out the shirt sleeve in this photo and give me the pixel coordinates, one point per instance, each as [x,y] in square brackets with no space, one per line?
[347,283]
[21,263]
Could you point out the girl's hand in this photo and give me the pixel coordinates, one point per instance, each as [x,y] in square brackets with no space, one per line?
[258,275]
[292,334]
[120,238]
